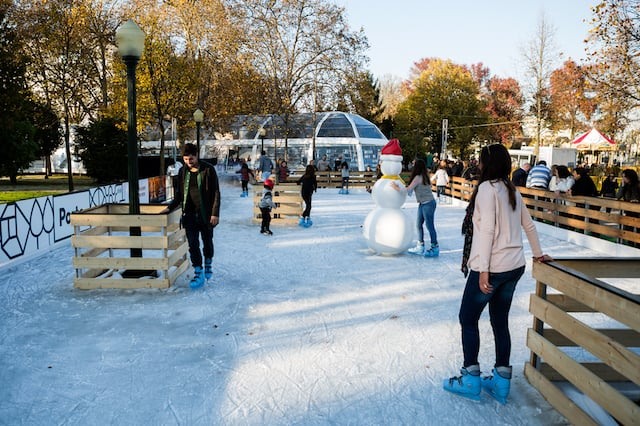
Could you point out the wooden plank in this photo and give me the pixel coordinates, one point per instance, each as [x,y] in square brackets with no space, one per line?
[557,398]
[615,403]
[605,267]
[119,242]
[124,283]
[124,220]
[178,254]
[121,262]
[626,337]
[601,370]
[279,221]
[180,269]
[600,297]
[97,230]
[567,304]
[609,351]
[174,238]
[93,252]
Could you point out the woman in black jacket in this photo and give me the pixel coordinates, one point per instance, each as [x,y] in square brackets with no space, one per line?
[309,186]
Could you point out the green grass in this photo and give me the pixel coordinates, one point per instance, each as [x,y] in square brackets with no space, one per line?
[12,196]
[33,186]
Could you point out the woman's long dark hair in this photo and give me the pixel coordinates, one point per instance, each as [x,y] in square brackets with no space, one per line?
[309,171]
[632,176]
[496,165]
[420,169]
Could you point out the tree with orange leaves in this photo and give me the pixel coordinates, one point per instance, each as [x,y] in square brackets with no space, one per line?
[571,105]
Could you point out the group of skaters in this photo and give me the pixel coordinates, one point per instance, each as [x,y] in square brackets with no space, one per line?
[577,181]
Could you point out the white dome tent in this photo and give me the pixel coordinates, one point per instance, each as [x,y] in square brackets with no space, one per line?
[337,135]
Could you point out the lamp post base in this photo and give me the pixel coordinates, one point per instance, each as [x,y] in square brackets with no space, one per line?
[139,273]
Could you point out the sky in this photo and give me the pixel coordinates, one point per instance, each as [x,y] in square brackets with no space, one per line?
[306,327]
[493,32]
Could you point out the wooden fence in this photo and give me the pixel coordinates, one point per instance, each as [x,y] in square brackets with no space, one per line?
[288,201]
[617,221]
[568,323]
[333,179]
[102,245]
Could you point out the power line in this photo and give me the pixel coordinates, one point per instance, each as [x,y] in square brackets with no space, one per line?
[487,124]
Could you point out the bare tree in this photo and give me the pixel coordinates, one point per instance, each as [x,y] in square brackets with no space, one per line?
[304,47]
[539,57]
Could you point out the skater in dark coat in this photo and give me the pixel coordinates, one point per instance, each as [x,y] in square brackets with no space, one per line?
[245,175]
[309,186]
[198,193]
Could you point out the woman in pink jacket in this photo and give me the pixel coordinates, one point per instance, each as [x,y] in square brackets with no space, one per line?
[493,259]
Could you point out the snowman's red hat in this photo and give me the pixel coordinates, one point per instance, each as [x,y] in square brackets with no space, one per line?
[391,151]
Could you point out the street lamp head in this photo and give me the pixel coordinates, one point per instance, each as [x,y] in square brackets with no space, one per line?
[262,132]
[130,39]
[198,115]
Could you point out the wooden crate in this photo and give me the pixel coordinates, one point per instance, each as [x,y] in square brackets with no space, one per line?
[287,198]
[102,246]
[577,290]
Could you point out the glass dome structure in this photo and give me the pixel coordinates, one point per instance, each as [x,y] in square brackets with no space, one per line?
[338,135]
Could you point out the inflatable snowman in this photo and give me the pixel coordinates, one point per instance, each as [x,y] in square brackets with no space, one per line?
[387,228]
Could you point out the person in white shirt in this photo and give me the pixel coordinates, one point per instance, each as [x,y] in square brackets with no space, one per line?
[493,259]
[441,179]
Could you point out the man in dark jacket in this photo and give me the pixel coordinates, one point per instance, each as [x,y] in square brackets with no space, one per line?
[519,177]
[197,191]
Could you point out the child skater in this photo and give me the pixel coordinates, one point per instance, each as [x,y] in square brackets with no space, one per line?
[266,204]
[245,173]
[421,185]
[344,170]
[309,186]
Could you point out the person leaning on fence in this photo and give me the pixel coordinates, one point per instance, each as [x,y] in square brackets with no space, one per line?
[266,204]
[441,179]
[630,189]
[198,193]
[493,259]
[519,176]
[323,164]
[609,187]
[265,165]
[539,176]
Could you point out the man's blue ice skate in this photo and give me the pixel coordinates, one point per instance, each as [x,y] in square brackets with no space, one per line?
[198,278]
[307,222]
[208,270]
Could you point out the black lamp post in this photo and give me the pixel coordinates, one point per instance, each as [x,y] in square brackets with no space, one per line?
[198,116]
[263,133]
[130,42]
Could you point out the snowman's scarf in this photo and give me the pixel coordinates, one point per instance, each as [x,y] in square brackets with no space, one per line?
[467,231]
[395,177]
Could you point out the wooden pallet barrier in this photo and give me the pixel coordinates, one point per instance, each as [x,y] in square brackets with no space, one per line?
[559,335]
[289,202]
[103,244]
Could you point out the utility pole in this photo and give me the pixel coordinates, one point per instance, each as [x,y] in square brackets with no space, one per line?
[445,127]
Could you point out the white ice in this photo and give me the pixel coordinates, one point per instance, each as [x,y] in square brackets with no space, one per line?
[305,327]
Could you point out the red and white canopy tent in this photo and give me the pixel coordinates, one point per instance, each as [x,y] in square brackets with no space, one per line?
[593,140]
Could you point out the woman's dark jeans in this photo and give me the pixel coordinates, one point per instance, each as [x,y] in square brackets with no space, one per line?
[499,300]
